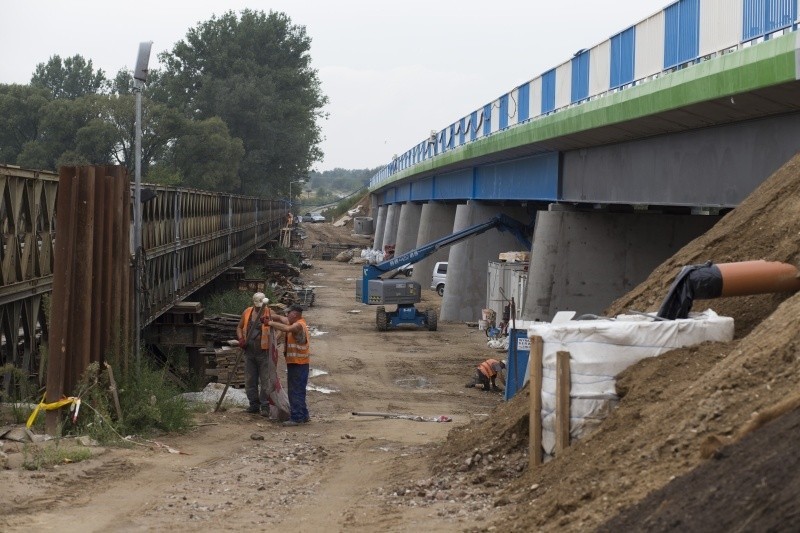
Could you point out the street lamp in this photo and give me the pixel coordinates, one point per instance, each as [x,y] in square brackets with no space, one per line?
[290,191]
[139,79]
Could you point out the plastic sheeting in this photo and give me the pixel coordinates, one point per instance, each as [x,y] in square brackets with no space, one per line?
[601,349]
[373,257]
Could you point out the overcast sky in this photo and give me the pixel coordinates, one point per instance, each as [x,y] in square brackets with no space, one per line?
[393,70]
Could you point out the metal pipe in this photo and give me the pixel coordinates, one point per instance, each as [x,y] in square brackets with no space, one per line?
[137,227]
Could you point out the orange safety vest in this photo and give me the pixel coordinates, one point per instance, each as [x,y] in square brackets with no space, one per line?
[486,369]
[298,354]
[264,328]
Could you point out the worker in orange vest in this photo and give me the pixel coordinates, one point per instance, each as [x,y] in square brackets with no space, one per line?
[486,374]
[253,335]
[298,352]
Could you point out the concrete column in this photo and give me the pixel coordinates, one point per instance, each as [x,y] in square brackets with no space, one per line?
[435,221]
[392,221]
[380,224]
[373,206]
[408,227]
[465,290]
[583,261]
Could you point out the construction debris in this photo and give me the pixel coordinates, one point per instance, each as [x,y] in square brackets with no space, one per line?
[415,418]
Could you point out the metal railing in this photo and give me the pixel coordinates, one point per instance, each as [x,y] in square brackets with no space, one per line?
[651,48]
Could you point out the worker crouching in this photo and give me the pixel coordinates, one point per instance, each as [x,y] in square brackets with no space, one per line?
[486,374]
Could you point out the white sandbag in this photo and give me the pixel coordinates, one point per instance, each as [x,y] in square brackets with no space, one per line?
[601,349]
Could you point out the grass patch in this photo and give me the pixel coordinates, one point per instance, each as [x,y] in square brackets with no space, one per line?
[49,455]
[231,302]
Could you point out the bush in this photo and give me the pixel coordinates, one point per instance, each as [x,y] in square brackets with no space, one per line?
[149,402]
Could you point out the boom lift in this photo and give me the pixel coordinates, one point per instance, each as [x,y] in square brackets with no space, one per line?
[373,290]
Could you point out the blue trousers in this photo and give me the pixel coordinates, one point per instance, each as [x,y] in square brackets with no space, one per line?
[297,378]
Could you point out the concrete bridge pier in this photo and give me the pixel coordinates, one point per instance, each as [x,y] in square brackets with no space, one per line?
[392,221]
[465,290]
[435,221]
[408,227]
[380,225]
[583,261]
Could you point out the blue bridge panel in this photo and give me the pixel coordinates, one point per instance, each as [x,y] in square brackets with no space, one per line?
[549,91]
[453,186]
[503,112]
[524,102]
[402,193]
[487,119]
[761,17]
[473,126]
[532,178]
[681,32]
[580,77]
[623,46]
[422,189]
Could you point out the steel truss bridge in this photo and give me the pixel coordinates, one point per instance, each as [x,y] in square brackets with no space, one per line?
[189,237]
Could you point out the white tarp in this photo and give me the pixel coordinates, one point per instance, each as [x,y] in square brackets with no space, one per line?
[601,349]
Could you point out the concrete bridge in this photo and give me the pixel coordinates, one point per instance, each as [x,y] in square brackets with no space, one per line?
[622,154]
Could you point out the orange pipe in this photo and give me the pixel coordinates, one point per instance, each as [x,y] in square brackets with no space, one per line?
[758,277]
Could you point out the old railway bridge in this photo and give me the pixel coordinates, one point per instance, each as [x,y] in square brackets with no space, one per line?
[189,237]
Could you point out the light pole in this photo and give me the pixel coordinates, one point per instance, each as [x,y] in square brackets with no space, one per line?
[290,191]
[139,79]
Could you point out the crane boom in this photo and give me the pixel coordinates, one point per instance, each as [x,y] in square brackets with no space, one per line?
[500,221]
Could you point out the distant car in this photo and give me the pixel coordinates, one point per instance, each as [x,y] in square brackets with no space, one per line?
[439,277]
[316,217]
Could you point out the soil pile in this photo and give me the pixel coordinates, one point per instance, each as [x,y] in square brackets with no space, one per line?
[673,408]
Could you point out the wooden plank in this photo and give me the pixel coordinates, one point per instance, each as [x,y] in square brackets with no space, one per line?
[535,388]
[563,385]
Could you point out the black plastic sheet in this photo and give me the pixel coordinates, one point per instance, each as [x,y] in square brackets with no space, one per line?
[693,282]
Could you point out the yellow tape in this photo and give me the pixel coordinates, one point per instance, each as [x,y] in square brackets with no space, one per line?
[49,407]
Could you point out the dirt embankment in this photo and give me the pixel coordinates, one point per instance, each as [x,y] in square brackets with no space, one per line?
[677,404]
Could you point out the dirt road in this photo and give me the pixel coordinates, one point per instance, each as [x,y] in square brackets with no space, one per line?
[339,472]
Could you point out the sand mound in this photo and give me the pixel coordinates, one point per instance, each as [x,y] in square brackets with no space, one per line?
[671,407]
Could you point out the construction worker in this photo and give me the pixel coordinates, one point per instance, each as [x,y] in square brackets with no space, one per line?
[253,335]
[486,373]
[298,352]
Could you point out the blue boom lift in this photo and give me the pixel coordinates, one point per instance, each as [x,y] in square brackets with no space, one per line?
[373,290]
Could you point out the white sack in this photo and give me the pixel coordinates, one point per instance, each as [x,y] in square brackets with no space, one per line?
[601,349]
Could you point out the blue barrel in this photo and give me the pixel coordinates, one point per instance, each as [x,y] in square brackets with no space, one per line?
[517,360]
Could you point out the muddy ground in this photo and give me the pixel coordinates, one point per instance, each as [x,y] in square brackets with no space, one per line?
[703,439]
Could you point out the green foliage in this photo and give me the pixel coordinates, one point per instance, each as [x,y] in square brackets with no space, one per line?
[341,180]
[19,119]
[207,157]
[149,402]
[51,454]
[164,175]
[71,78]
[232,302]
[345,204]
[253,70]
[280,252]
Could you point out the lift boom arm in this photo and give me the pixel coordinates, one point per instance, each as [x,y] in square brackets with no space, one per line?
[500,221]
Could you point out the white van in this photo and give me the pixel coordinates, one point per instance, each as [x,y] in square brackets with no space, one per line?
[439,277]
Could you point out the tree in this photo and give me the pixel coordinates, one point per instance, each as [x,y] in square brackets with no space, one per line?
[207,157]
[71,78]
[20,107]
[253,71]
